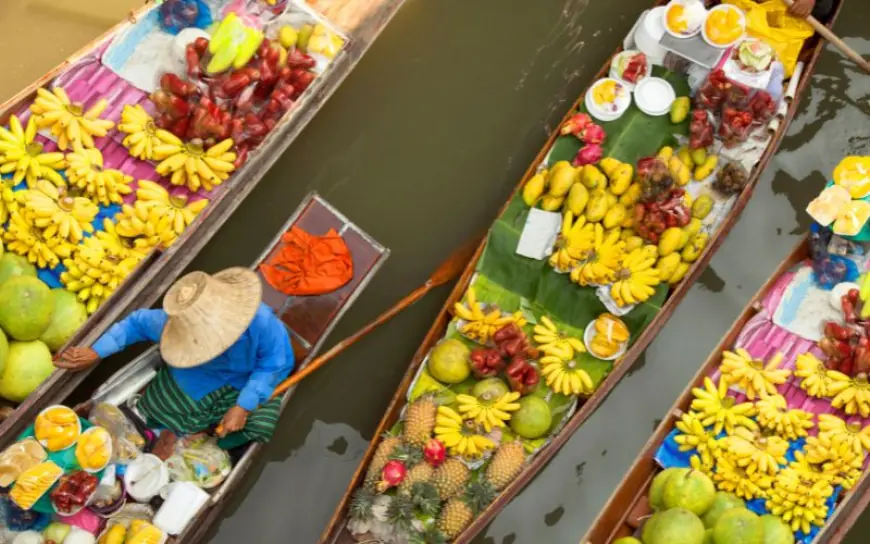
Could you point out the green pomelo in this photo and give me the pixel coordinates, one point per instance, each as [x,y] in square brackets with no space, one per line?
[27,366]
[775,530]
[26,306]
[693,491]
[490,389]
[738,526]
[69,315]
[675,526]
[722,502]
[627,540]
[532,419]
[649,528]
[449,361]
[4,350]
[657,488]
[708,537]
[12,265]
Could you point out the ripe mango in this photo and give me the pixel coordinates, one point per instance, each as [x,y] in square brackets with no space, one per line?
[609,165]
[615,216]
[702,207]
[560,182]
[705,170]
[592,178]
[551,203]
[533,189]
[695,247]
[631,195]
[669,241]
[632,243]
[621,179]
[578,197]
[597,208]
[699,156]
[668,265]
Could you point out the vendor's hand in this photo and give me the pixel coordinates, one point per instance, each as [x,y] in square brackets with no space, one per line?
[234,420]
[801,8]
[76,358]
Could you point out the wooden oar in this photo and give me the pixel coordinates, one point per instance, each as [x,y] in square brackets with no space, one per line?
[449,270]
[834,40]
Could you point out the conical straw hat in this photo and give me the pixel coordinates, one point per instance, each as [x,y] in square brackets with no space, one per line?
[207,314]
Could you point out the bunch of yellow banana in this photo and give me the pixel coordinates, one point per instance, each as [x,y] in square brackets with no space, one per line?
[774,415]
[575,243]
[70,123]
[832,428]
[798,500]
[58,213]
[553,342]
[694,436]
[24,238]
[9,203]
[461,436]
[479,324]
[22,156]
[141,132]
[157,208]
[490,413]
[751,375]
[637,277]
[715,407]
[602,261]
[813,374]
[731,478]
[754,452]
[99,265]
[837,458]
[564,377]
[147,223]
[191,164]
[105,186]
[852,395]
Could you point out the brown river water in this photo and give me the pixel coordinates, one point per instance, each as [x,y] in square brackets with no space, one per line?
[420,146]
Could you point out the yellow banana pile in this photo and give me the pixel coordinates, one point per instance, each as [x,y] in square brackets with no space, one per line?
[479,324]
[636,278]
[837,458]
[813,374]
[24,238]
[755,453]
[462,437]
[489,414]
[852,395]
[141,132]
[751,375]
[715,407]
[57,213]
[98,266]
[602,261]
[575,242]
[191,164]
[552,342]
[106,186]
[565,377]
[774,415]
[69,122]
[8,201]
[799,498]
[731,478]
[833,428]
[23,157]
[694,436]
[157,218]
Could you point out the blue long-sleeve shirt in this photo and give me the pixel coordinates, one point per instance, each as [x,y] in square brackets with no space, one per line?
[255,364]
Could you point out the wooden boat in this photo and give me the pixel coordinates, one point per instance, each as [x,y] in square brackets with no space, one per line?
[309,319]
[360,21]
[337,531]
[628,506]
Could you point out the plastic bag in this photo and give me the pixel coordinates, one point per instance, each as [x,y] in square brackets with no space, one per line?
[127,443]
[176,15]
[200,461]
[853,174]
[770,22]
[33,483]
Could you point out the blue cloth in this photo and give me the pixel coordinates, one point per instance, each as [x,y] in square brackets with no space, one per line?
[254,365]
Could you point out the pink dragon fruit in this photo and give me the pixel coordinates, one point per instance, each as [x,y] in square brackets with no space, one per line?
[575,124]
[588,154]
[592,134]
[392,475]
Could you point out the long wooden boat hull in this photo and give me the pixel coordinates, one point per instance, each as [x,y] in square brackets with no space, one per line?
[336,531]
[309,319]
[361,21]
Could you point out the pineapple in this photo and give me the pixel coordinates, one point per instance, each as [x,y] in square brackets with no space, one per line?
[450,478]
[459,511]
[420,421]
[382,455]
[421,472]
[506,464]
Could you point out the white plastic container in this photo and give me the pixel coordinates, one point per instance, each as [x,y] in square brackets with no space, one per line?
[589,334]
[654,96]
[724,7]
[621,104]
[649,33]
[695,9]
[182,501]
[145,477]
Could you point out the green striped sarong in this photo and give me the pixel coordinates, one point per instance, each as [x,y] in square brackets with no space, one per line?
[164,404]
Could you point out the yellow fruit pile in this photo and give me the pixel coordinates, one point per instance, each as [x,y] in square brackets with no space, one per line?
[139,532]
[463,437]
[57,428]
[22,156]
[191,164]
[490,413]
[610,334]
[480,324]
[70,123]
[33,483]
[157,218]
[686,164]
[94,449]
[141,132]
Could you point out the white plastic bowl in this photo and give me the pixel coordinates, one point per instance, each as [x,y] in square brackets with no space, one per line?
[723,7]
[691,32]
[108,462]
[614,67]
[589,334]
[654,96]
[44,443]
[622,102]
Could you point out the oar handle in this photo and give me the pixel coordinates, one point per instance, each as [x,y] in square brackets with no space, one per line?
[413,297]
[834,40]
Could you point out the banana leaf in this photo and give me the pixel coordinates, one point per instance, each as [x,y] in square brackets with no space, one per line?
[633,136]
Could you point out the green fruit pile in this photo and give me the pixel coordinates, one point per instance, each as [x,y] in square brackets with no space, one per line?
[689,510]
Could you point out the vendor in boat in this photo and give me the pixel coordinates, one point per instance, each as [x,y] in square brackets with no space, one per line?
[225,353]
[820,9]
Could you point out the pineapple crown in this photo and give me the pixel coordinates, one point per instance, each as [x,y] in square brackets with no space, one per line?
[400,512]
[429,536]
[426,498]
[478,495]
[361,504]
[408,454]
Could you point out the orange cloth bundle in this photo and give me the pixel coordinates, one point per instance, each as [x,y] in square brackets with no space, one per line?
[309,265]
